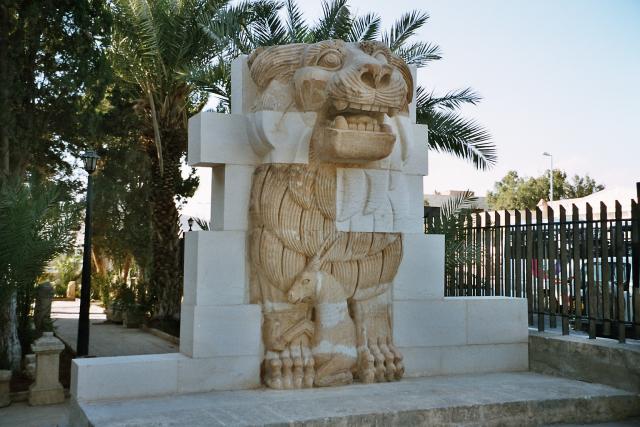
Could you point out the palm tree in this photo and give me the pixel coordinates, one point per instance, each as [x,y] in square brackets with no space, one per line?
[160,51]
[266,23]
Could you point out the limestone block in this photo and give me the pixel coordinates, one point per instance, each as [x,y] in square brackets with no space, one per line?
[124,377]
[489,357]
[378,200]
[47,389]
[71,289]
[494,320]
[230,190]
[421,273]
[417,163]
[216,138]
[215,268]
[243,89]
[5,379]
[412,106]
[281,137]
[465,359]
[218,373]
[212,331]
[429,323]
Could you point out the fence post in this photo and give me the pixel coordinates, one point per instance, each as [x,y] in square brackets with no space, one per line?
[517,244]
[529,266]
[604,269]
[478,239]
[564,296]
[620,272]
[592,308]
[487,254]
[635,262]
[539,270]
[469,250]
[577,266]
[551,266]
[507,254]
[497,273]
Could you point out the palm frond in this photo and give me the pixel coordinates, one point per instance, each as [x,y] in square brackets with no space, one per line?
[365,28]
[267,28]
[404,28]
[419,53]
[452,100]
[464,138]
[296,26]
[335,22]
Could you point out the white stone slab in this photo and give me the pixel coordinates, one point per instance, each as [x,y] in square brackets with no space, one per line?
[218,373]
[421,273]
[429,323]
[465,359]
[496,320]
[215,271]
[281,136]
[216,138]
[214,331]
[124,376]
[243,89]
[230,193]
[476,359]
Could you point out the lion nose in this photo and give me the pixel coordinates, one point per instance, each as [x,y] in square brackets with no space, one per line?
[375,76]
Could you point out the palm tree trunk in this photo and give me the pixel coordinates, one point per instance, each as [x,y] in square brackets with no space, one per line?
[166,277]
[10,348]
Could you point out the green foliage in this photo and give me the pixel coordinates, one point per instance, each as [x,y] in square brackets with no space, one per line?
[52,69]
[37,222]
[516,192]
[452,223]
[68,267]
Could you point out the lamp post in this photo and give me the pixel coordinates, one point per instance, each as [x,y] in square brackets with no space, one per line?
[90,159]
[550,175]
[190,221]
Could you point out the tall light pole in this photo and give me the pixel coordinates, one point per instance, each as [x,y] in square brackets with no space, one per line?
[90,159]
[550,175]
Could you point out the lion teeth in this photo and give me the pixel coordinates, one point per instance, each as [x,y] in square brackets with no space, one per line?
[355,106]
[341,123]
[385,128]
[340,104]
[366,107]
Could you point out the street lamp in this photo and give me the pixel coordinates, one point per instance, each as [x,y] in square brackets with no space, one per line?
[550,175]
[190,221]
[90,159]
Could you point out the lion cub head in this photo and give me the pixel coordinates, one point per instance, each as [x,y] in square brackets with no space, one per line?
[352,89]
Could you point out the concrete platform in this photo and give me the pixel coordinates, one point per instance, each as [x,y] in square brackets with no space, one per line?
[514,399]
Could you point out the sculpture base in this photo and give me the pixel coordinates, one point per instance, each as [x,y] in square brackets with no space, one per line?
[508,399]
[47,396]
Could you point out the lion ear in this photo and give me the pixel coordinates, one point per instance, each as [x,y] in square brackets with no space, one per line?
[275,62]
[402,66]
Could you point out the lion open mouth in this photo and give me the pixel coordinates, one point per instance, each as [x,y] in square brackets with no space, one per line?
[357,133]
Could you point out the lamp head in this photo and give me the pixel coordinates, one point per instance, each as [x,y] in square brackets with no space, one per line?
[90,159]
[190,221]
[546,154]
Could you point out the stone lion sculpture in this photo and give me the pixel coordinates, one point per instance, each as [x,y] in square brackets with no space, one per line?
[324,288]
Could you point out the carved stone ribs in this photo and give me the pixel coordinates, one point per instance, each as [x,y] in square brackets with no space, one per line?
[325,293]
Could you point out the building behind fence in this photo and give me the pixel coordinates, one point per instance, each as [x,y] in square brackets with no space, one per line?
[577,267]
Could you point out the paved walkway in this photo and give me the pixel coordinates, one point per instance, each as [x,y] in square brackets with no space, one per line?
[105,339]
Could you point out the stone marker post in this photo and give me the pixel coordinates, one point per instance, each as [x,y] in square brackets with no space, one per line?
[5,379]
[42,311]
[47,388]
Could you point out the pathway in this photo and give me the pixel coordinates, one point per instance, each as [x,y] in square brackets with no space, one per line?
[105,339]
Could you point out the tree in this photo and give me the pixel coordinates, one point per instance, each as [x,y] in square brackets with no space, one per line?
[516,192]
[263,24]
[36,224]
[160,50]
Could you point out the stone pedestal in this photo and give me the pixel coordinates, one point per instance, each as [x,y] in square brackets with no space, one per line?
[5,378]
[47,388]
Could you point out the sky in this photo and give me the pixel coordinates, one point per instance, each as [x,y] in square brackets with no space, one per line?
[561,76]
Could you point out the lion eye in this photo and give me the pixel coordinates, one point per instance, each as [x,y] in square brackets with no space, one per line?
[305,281]
[330,59]
[381,57]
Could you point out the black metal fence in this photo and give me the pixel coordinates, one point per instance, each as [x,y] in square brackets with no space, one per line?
[576,270]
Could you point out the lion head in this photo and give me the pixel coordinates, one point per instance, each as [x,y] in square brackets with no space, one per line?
[346,93]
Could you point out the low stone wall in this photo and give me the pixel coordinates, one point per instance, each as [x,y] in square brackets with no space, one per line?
[601,360]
